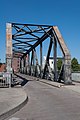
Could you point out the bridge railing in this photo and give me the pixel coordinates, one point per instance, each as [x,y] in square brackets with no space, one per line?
[5,79]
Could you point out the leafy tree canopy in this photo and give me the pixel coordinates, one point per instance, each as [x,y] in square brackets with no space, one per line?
[75,65]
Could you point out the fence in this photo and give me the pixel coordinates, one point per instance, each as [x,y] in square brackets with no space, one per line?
[5,79]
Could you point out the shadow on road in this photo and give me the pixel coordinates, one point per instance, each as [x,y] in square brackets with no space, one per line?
[24,82]
[18,80]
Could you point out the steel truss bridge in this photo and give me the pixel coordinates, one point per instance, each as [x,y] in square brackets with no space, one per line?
[25,42]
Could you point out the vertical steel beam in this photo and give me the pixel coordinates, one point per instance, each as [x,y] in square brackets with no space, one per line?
[20,65]
[28,68]
[40,58]
[28,63]
[55,59]
[24,64]
[32,62]
[9,52]
[37,68]
[32,58]
[41,54]
[28,58]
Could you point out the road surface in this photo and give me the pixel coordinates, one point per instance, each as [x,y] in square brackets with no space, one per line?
[49,103]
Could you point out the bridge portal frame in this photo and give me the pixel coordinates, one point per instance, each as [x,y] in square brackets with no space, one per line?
[22,46]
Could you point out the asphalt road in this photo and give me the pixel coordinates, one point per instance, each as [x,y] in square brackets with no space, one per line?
[49,103]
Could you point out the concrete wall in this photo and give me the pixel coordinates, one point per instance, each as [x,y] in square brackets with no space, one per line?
[76,76]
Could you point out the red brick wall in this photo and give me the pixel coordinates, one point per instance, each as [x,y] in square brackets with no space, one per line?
[15,64]
[2,67]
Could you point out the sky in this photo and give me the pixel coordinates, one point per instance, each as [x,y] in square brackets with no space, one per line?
[63,13]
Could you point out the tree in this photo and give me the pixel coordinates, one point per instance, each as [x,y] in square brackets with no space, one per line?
[74,65]
[59,64]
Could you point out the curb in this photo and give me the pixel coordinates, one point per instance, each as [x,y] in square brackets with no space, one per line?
[54,84]
[46,82]
[12,111]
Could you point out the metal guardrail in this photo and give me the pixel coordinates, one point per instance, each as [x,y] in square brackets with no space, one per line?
[4,79]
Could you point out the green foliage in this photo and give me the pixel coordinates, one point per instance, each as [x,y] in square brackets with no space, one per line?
[59,64]
[74,65]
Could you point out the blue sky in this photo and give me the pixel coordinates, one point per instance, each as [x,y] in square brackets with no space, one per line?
[63,13]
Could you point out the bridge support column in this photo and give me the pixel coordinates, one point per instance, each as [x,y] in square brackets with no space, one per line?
[67,70]
[9,52]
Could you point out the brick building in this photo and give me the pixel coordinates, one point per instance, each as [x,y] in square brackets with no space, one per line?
[15,64]
[2,67]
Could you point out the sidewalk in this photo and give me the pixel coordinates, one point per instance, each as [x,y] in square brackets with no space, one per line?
[27,77]
[75,87]
[11,100]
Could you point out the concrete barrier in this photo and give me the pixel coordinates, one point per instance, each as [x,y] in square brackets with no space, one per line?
[76,76]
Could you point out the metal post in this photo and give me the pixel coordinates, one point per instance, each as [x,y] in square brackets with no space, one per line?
[9,52]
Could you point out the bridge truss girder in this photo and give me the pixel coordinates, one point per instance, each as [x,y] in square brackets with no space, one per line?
[25,38]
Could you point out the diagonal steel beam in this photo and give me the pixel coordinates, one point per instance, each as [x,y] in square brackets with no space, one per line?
[47,58]
[39,41]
